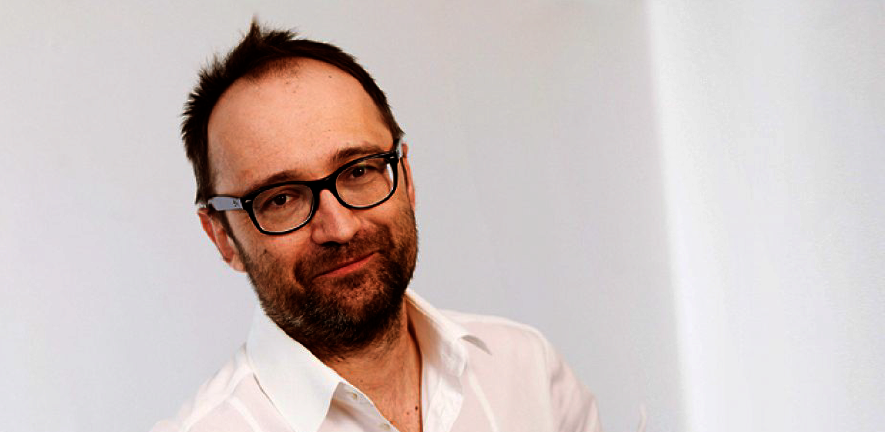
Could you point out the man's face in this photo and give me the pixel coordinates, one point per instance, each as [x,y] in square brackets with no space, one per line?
[335,285]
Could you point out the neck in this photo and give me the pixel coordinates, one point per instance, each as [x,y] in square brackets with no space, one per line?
[388,372]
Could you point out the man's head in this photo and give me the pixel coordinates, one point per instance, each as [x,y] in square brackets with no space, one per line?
[259,53]
[277,110]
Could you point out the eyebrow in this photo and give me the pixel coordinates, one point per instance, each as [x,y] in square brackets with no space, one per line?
[345,154]
[340,157]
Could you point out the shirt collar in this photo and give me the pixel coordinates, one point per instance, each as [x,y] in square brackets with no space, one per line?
[297,383]
[441,339]
[301,386]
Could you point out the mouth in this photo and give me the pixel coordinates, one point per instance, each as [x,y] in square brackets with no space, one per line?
[346,267]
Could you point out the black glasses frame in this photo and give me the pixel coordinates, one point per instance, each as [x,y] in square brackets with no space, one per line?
[228,202]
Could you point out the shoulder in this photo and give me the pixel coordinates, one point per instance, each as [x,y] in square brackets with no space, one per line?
[223,403]
[504,336]
[495,327]
[524,370]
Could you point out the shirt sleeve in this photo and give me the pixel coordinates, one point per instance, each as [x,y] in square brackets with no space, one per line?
[574,407]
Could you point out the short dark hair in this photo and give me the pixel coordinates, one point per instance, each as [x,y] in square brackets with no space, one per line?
[260,51]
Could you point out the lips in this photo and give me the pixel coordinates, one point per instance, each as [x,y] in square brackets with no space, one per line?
[343,267]
[323,261]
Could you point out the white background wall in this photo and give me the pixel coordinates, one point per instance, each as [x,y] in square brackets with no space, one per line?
[684,198]
[772,122]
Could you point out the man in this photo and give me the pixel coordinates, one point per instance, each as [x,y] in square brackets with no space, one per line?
[304,184]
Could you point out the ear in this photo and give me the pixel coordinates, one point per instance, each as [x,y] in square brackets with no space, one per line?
[410,184]
[223,241]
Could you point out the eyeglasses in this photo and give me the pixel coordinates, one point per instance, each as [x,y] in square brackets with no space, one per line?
[284,207]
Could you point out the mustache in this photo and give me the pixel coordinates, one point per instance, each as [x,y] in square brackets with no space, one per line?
[328,257]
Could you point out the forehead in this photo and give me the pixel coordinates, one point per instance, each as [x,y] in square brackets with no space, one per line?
[290,120]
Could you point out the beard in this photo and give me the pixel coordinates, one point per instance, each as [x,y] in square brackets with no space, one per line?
[334,317]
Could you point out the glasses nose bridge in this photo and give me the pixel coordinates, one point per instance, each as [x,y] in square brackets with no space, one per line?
[329,183]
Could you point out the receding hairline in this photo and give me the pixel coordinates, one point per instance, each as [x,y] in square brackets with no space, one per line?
[290,68]
[282,69]
[278,67]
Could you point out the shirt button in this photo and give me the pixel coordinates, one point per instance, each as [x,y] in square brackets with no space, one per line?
[384,426]
[354,396]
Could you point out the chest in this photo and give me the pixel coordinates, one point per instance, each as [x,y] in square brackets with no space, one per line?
[462,406]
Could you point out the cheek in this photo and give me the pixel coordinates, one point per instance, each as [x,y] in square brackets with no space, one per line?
[273,252]
[280,250]
[241,226]
[397,204]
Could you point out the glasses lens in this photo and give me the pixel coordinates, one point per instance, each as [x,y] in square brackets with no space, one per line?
[366,183]
[282,208]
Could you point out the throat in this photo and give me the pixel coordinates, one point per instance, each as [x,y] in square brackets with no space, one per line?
[390,376]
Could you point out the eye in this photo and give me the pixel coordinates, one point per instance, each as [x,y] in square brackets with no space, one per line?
[280,199]
[358,171]
[364,171]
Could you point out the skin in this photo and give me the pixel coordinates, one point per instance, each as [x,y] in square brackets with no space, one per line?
[292,124]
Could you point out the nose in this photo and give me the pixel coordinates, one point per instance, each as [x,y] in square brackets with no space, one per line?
[332,222]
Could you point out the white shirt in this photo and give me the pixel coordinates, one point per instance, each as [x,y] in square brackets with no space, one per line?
[479,373]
